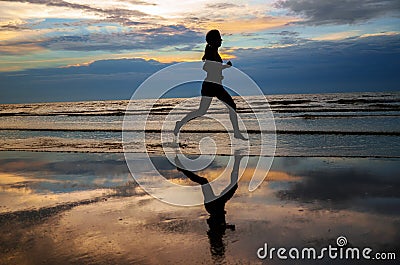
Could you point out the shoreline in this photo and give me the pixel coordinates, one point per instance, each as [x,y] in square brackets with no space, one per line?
[394,133]
[222,155]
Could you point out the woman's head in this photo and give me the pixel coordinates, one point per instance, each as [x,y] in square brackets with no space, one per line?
[213,38]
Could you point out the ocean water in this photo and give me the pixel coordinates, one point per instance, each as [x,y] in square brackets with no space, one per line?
[334,174]
[324,125]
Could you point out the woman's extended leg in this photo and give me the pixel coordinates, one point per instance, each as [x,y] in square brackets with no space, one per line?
[206,188]
[204,105]
[228,100]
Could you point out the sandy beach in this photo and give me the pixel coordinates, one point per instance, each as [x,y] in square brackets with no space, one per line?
[94,213]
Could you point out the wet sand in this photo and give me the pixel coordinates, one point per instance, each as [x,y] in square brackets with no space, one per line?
[75,208]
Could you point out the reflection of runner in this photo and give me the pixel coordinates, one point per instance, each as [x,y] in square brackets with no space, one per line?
[212,85]
[215,206]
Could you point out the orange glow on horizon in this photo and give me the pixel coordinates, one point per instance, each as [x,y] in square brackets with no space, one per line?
[250,25]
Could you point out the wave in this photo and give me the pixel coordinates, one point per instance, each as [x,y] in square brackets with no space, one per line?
[208,131]
[351,102]
[308,109]
[313,109]
[323,116]
[364,101]
[290,102]
[359,125]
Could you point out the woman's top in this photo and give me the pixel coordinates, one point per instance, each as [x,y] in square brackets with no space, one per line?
[213,65]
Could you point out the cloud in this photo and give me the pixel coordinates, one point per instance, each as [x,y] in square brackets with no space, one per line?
[353,64]
[221,6]
[232,18]
[138,39]
[138,2]
[338,35]
[122,15]
[104,79]
[318,12]
[155,38]
[19,49]
[287,38]
[60,3]
[14,26]
[243,25]
[356,64]
[356,188]
[286,33]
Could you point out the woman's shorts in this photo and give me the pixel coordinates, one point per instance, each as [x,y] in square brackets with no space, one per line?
[209,89]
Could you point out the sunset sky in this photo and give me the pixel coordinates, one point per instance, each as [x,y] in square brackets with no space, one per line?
[41,40]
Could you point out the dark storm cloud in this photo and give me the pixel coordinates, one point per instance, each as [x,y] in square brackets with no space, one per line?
[319,12]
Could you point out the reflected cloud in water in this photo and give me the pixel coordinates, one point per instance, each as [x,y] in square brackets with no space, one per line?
[95,212]
[361,185]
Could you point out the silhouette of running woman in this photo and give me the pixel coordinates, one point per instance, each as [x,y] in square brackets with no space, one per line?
[212,85]
[215,206]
